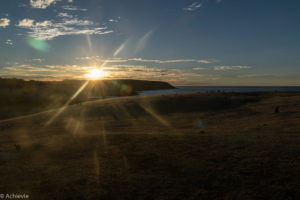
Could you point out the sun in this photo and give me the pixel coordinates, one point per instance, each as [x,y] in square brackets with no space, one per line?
[96,74]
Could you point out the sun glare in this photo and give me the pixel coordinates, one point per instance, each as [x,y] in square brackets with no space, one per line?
[96,74]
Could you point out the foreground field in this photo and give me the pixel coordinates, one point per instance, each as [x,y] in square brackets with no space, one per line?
[193,146]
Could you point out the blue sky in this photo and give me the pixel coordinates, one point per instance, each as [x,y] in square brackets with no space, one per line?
[185,42]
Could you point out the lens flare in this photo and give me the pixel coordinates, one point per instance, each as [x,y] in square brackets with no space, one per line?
[39,45]
[96,74]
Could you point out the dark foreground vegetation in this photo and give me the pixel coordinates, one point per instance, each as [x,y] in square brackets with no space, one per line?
[18,97]
[192,146]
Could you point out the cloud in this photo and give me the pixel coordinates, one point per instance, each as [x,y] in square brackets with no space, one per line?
[199,68]
[26,23]
[77,22]
[37,60]
[175,76]
[61,72]
[113,20]
[47,30]
[143,72]
[206,61]
[193,6]
[169,61]
[73,8]
[44,23]
[65,15]
[219,1]
[42,3]
[89,58]
[47,72]
[4,22]
[256,75]
[9,42]
[223,68]
[123,60]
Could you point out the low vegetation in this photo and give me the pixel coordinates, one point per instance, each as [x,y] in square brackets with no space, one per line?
[192,146]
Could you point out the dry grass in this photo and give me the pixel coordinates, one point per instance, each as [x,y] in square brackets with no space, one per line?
[153,148]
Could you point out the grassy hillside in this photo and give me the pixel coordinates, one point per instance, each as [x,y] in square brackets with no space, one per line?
[18,97]
[191,146]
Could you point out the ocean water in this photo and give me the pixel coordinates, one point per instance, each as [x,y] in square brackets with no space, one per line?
[188,89]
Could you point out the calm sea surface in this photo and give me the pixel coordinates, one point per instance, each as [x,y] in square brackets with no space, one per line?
[187,89]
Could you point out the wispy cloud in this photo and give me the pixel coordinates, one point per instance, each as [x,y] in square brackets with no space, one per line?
[256,75]
[199,68]
[37,60]
[123,60]
[48,30]
[114,20]
[73,8]
[65,15]
[4,22]
[60,72]
[48,72]
[89,58]
[206,61]
[170,61]
[193,6]
[223,68]
[143,72]
[45,23]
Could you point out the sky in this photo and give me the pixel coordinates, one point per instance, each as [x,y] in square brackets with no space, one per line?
[184,42]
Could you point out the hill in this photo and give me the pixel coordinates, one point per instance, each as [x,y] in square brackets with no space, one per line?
[19,97]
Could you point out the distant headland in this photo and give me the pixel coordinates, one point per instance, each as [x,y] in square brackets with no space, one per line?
[18,96]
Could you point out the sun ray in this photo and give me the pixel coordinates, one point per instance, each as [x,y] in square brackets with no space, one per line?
[66,104]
